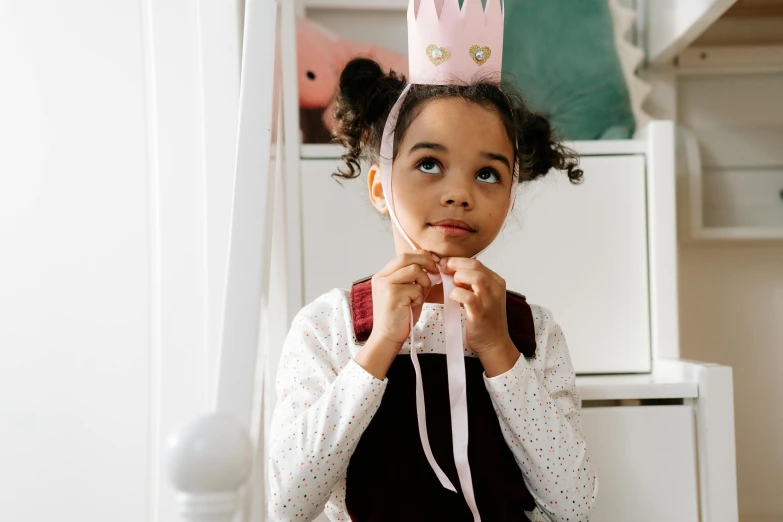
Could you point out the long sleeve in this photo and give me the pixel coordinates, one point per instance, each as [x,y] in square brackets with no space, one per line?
[538,405]
[321,413]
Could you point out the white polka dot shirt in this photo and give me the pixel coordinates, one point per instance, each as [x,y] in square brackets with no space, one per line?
[326,401]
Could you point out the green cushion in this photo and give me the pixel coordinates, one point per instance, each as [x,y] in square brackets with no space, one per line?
[561,54]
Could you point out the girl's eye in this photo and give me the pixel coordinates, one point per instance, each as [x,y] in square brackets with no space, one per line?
[488,176]
[429,166]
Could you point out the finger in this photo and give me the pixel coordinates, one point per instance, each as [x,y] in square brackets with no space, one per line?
[466,298]
[452,264]
[499,280]
[475,280]
[422,258]
[413,295]
[410,274]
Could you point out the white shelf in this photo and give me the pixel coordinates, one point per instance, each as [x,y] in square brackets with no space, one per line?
[732,164]
[747,59]
[672,25]
[584,148]
[668,380]
[617,387]
[738,234]
[608,147]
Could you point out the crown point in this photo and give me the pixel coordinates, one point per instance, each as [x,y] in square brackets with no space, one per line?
[439,6]
[493,8]
[472,8]
[413,7]
[427,11]
[450,13]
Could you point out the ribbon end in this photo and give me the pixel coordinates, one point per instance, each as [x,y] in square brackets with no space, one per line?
[444,481]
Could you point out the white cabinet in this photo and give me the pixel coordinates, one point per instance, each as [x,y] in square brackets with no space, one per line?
[645,457]
[580,251]
[343,236]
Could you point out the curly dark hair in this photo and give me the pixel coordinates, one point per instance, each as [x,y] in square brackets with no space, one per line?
[367,94]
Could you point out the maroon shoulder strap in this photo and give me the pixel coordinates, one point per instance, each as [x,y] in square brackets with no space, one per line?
[518,314]
[361,309]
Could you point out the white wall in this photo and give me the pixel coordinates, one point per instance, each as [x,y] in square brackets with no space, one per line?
[731,312]
[117,141]
[75,264]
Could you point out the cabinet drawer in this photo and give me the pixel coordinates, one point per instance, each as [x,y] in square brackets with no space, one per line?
[645,457]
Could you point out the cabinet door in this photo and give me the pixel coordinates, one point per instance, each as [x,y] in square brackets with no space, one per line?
[581,251]
[645,458]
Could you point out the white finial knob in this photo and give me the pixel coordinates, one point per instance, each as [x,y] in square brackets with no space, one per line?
[208,462]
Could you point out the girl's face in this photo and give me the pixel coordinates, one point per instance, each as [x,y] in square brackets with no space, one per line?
[451,179]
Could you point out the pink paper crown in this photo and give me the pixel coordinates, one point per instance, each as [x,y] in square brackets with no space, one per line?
[447,44]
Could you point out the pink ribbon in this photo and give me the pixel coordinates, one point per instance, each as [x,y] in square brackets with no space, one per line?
[455,357]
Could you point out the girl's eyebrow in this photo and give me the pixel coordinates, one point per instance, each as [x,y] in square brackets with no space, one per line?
[428,145]
[497,157]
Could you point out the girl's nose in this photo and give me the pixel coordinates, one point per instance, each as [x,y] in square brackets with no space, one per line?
[457,196]
[454,202]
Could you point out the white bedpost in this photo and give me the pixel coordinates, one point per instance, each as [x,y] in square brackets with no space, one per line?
[209,462]
[218,456]
[716,445]
[662,239]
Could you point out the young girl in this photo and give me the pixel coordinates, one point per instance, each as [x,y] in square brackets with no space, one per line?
[345,437]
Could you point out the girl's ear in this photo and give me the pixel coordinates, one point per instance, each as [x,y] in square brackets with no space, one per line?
[376,189]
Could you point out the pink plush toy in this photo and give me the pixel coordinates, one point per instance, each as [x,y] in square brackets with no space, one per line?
[321,56]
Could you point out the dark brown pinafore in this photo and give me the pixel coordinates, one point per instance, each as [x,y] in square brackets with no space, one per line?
[389,478]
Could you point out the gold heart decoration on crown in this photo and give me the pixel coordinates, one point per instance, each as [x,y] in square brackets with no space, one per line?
[438,55]
[480,54]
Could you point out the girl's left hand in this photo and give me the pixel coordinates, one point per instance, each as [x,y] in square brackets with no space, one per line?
[483,294]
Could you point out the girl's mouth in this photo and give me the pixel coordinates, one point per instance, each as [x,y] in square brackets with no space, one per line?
[452,227]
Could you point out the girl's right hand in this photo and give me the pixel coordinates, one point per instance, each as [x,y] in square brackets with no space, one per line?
[403,283]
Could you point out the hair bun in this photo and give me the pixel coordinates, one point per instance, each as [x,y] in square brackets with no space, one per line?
[366,96]
[543,151]
[538,139]
[359,79]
